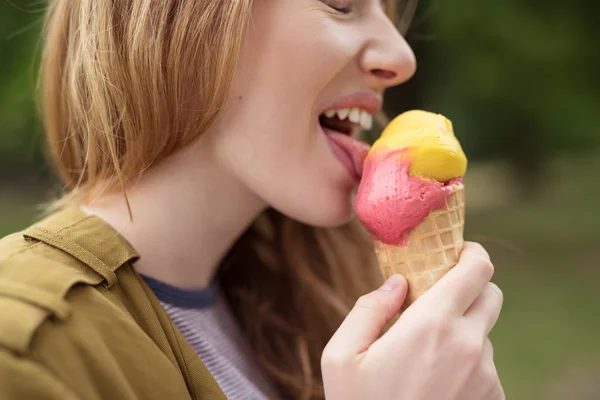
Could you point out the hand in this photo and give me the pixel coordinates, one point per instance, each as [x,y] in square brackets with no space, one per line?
[437,350]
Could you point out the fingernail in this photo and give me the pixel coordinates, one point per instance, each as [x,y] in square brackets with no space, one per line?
[392,283]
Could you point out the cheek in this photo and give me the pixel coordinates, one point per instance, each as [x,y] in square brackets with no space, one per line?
[298,179]
[281,73]
[269,125]
[290,54]
[290,57]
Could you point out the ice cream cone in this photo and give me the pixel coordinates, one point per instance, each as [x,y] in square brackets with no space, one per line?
[431,249]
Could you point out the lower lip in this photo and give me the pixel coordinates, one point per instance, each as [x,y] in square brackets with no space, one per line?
[348,151]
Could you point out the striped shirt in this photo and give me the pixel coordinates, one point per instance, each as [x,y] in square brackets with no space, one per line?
[205,320]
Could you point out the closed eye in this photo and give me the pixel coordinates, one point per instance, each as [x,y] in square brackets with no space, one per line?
[341,6]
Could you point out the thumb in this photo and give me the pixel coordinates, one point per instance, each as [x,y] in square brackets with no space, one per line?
[369,316]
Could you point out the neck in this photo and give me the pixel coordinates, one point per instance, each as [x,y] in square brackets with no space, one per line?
[186,216]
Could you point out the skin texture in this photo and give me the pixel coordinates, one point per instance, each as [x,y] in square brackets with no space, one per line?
[271,138]
[266,147]
[437,350]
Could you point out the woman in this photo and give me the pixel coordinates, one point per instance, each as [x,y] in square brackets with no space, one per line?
[205,246]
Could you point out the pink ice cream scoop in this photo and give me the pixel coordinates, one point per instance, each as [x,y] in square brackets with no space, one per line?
[390,202]
[408,173]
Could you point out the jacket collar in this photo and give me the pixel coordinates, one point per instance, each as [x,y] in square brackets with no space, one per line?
[88,238]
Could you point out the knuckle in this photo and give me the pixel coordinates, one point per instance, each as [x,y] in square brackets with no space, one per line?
[489,375]
[471,351]
[437,327]
[364,300]
[442,328]
[333,359]
[488,378]
[496,291]
[478,248]
[485,268]
[370,301]
[484,252]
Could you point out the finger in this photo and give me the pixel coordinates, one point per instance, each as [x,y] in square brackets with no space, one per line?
[484,383]
[369,316]
[490,374]
[497,393]
[486,309]
[459,288]
[477,248]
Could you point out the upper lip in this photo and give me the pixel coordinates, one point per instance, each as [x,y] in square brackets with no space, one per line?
[367,101]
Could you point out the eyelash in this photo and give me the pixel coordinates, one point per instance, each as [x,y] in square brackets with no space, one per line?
[344,10]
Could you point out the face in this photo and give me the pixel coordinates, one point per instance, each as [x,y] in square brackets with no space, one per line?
[311,73]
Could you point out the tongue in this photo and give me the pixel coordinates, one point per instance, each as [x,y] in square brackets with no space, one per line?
[356,149]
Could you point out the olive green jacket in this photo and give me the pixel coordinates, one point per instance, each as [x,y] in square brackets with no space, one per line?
[77,321]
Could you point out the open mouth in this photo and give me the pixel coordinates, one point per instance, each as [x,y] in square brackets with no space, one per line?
[342,128]
[346,121]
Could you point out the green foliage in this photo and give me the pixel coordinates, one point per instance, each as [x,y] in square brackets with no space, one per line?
[519,79]
[20,25]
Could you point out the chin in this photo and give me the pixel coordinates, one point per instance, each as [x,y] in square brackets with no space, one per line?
[333,213]
[336,222]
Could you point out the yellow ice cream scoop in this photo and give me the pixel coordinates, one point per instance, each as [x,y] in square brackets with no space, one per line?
[431,147]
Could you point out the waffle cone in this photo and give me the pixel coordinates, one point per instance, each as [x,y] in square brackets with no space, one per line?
[431,249]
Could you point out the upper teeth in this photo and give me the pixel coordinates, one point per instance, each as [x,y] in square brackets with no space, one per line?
[355,115]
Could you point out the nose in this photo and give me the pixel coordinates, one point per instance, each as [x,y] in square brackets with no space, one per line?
[387,58]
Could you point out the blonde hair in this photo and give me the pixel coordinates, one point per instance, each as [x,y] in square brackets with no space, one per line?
[117,76]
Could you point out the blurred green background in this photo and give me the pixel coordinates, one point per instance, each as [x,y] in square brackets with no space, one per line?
[521,82]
